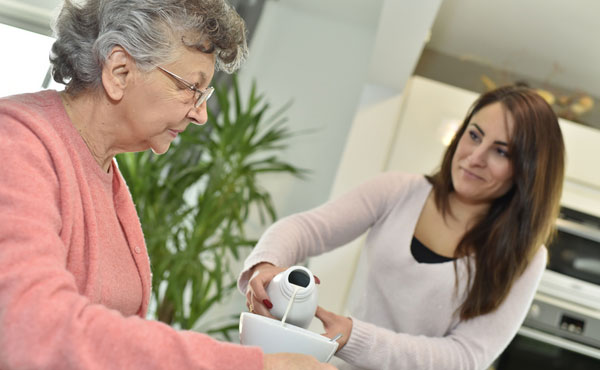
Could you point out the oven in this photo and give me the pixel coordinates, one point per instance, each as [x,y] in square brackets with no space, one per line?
[562,327]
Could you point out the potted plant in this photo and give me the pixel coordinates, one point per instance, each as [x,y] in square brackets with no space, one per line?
[194,201]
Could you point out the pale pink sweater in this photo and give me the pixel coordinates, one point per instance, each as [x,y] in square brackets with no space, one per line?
[74,271]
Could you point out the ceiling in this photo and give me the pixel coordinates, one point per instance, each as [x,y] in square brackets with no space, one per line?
[551,41]
[362,12]
[48,5]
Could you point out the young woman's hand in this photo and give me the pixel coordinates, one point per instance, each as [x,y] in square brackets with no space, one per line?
[257,299]
[294,361]
[335,324]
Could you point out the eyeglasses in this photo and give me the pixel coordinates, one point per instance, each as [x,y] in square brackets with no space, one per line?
[200,96]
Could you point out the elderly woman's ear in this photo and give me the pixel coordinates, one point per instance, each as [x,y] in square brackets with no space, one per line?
[117,72]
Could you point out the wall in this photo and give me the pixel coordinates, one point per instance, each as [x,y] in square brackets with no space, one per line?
[402,31]
[320,63]
[335,70]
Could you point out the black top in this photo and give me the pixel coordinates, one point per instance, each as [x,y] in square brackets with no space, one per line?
[425,255]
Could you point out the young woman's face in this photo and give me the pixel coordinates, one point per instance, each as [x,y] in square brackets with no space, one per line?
[481,167]
[161,107]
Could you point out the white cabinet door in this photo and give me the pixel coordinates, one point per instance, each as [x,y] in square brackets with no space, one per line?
[431,113]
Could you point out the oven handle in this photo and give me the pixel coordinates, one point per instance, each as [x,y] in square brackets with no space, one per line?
[582,230]
[559,342]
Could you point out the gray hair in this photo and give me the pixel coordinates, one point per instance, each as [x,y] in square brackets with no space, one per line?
[149,30]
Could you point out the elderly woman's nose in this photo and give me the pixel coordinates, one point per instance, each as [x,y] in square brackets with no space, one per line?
[199,115]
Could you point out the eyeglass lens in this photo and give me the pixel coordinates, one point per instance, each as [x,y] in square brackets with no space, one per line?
[204,96]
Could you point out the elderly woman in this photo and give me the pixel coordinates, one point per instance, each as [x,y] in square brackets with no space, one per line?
[74,271]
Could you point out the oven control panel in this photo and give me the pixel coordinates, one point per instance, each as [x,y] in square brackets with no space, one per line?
[563,319]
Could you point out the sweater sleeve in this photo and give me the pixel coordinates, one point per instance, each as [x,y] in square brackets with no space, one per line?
[45,322]
[472,344]
[294,238]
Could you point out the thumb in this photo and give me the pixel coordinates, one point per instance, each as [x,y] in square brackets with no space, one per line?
[325,316]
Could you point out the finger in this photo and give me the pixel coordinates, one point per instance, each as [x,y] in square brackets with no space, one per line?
[255,307]
[260,280]
[249,300]
[260,309]
[333,324]
[259,293]
[265,312]
[248,297]
[324,315]
[326,318]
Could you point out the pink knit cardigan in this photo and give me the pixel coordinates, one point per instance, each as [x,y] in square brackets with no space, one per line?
[74,272]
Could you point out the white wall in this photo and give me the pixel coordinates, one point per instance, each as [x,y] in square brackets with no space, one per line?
[402,32]
[321,64]
[320,61]
[334,68]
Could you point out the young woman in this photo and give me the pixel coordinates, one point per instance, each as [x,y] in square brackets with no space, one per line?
[454,258]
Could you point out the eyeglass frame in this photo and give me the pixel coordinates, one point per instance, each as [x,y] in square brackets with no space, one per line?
[203,95]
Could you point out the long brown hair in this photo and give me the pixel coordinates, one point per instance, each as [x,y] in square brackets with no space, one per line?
[503,241]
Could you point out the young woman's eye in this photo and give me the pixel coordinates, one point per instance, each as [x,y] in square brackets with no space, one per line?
[502,152]
[474,135]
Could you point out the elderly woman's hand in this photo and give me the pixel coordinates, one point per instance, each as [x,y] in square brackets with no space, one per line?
[257,299]
[294,361]
[335,324]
